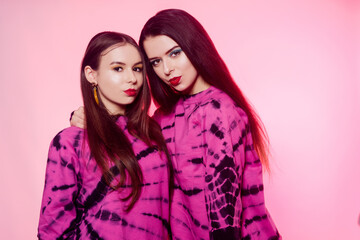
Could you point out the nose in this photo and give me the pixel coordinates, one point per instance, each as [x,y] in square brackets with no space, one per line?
[131,77]
[167,67]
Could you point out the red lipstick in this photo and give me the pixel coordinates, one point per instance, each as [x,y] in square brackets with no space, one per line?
[175,81]
[130,92]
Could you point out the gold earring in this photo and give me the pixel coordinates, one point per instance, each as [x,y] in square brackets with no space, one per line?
[95,94]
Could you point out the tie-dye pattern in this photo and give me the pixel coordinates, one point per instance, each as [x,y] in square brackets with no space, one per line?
[218,175]
[77,204]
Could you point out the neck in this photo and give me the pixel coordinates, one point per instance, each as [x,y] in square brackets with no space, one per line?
[199,85]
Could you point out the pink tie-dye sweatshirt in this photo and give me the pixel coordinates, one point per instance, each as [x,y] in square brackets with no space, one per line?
[77,203]
[219,192]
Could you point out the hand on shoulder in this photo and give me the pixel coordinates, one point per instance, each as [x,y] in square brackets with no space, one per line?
[77,118]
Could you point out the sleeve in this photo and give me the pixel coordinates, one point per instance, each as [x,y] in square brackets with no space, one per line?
[234,187]
[58,213]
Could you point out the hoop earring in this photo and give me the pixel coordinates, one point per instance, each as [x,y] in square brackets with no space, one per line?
[95,94]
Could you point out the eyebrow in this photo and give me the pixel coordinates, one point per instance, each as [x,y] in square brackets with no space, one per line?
[167,52]
[116,62]
[121,63]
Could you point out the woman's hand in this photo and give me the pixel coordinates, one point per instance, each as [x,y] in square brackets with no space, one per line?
[77,118]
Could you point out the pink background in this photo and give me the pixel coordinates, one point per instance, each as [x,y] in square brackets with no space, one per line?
[297,62]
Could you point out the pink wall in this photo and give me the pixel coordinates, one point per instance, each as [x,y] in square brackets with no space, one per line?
[297,62]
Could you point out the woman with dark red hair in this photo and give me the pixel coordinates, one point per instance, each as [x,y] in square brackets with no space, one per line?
[217,141]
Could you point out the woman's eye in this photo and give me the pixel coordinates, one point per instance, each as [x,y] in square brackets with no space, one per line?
[175,52]
[155,62]
[137,69]
[118,69]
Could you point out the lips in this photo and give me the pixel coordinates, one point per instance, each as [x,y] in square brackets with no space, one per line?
[175,81]
[130,92]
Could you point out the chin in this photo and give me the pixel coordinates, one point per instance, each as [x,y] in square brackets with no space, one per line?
[183,89]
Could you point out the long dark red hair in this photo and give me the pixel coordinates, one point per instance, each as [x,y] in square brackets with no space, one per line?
[108,144]
[190,35]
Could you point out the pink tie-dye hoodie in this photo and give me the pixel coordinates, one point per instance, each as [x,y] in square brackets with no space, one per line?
[219,192]
[78,204]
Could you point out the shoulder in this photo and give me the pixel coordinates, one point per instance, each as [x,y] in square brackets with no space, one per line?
[68,137]
[66,148]
[221,105]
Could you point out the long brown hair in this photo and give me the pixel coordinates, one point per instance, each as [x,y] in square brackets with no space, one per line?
[108,144]
[186,31]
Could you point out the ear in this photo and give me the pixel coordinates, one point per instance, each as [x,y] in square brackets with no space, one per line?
[90,75]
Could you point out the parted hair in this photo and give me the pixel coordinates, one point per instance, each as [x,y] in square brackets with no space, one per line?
[190,35]
[109,145]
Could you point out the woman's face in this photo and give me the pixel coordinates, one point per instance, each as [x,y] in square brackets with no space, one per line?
[119,77]
[172,66]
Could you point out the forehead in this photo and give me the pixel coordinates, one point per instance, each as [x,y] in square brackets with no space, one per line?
[125,53]
[158,45]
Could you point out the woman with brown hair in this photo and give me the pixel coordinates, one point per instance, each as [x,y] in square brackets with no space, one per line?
[110,181]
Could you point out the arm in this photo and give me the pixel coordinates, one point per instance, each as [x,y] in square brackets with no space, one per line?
[223,172]
[77,118]
[234,193]
[58,213]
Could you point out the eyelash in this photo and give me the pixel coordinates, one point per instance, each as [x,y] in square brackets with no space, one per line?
[138,69]
[135,69]
[154,62]
[174,53]
[118,68]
